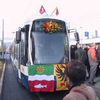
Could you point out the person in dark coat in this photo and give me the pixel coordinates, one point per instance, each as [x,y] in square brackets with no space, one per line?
[98,59]
[87,60]
[80,54]
[98,53]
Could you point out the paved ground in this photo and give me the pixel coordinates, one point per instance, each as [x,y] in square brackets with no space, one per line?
[11,90]
[97,86]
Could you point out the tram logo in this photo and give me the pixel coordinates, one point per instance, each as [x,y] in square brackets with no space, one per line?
[40,69]
[40,86]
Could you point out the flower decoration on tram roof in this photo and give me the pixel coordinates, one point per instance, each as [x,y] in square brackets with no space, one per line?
[52,26]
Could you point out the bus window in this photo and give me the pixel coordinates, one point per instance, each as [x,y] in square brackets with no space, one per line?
[48,37]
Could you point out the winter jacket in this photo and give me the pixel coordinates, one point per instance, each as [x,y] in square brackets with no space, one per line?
[80,54]
[98,54]
[92,56]
[82,92]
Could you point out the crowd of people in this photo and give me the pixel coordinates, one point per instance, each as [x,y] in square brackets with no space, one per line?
[90,56]
[82,70]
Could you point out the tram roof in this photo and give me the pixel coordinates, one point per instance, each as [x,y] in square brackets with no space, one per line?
[44,17]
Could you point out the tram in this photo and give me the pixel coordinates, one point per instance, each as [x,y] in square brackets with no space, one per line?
[40,52]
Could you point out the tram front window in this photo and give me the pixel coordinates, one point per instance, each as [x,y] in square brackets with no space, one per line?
[49,48]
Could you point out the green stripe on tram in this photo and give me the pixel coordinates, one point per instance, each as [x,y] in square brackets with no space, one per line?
[41,69]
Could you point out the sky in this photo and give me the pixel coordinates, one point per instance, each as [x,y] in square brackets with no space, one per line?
[81,14]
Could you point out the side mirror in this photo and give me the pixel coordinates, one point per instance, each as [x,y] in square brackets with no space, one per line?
[18,36]
[76,34]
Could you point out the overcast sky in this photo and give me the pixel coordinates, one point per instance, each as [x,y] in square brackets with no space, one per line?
[80,13]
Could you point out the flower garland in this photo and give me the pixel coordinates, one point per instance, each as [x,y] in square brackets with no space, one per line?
[51,26]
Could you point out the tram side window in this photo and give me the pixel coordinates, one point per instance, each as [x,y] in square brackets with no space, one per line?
[16,51]
[33,49]
[22,53]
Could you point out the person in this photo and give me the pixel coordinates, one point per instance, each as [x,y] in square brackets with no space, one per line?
[98,53]
[75,76]
[80,54]
[98,59]
[93,63]
[87,61]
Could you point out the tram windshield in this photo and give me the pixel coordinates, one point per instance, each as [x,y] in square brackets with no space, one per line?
[48,43]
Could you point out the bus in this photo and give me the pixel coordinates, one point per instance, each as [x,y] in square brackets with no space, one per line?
[40,52]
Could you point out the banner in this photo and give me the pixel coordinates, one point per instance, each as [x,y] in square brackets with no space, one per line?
[41,86]
[57,12]
[41,78]
[41,70]
[42,10]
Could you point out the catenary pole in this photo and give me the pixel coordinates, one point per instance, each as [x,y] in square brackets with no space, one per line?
[3,37]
